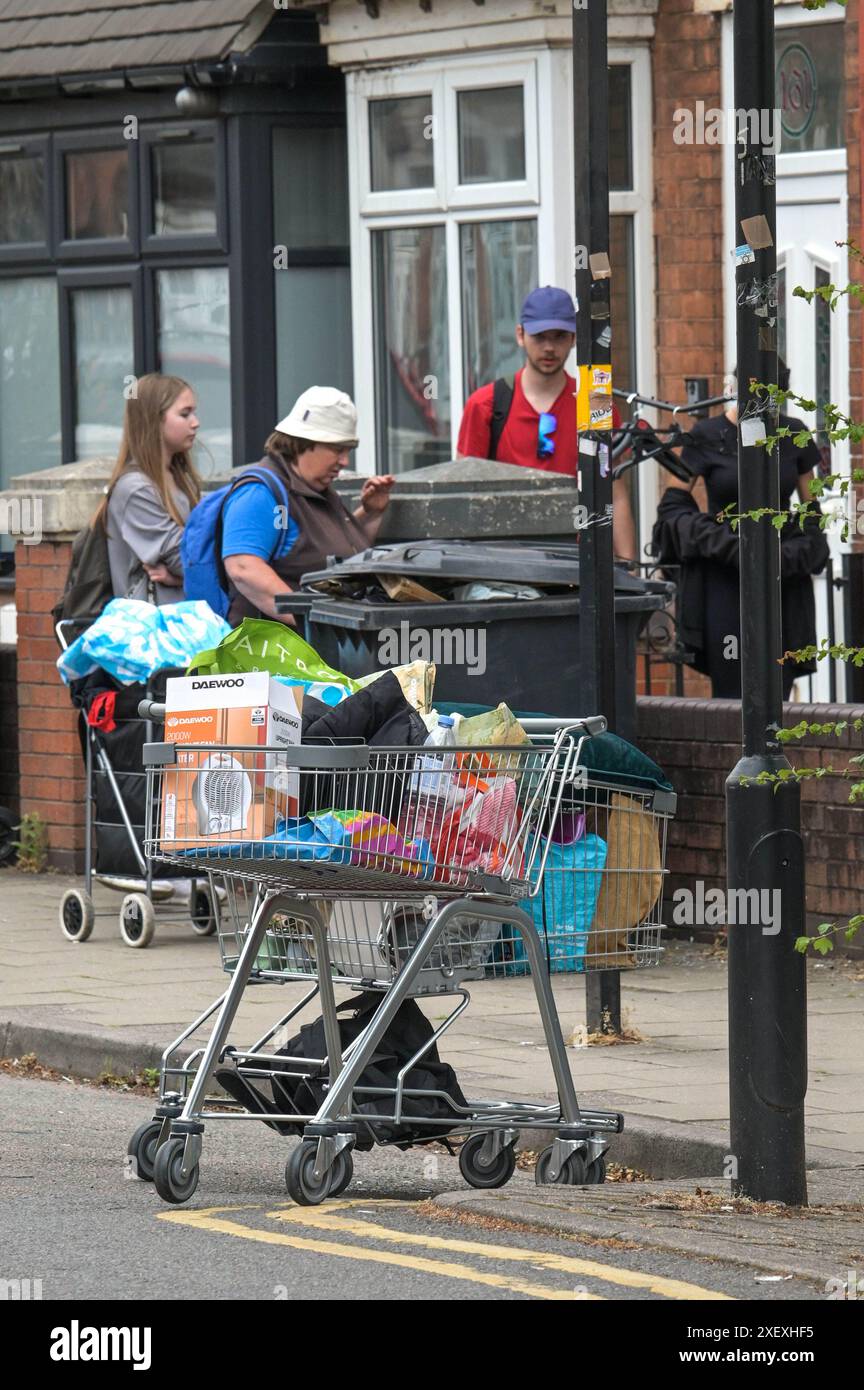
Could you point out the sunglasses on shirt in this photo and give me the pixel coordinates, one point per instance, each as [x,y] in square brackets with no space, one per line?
[547,426]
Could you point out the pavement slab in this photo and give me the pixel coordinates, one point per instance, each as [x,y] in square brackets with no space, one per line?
[86,1008]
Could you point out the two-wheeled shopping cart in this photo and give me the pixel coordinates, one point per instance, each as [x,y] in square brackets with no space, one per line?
[375,889]
[115,786]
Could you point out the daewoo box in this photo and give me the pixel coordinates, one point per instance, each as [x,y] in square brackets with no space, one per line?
[213,797]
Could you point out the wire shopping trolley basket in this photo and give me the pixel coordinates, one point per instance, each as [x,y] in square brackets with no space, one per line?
[400,874]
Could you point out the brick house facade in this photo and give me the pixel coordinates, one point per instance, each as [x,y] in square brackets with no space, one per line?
[678,289]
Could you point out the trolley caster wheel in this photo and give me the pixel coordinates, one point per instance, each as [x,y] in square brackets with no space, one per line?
[142,1149]
[596,1170]
[482,1174]
[137,920]
[167,1178]
[341,1173]
[303,1186]
[204,913]
[572,1174]
[76,914]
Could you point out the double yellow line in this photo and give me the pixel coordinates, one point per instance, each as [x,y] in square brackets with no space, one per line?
[336,1218]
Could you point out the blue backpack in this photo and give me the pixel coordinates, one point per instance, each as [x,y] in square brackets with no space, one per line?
[204,574]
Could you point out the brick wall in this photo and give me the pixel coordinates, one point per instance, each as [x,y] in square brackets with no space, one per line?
[698,742]
[52,776]
[688,196]
[9,789]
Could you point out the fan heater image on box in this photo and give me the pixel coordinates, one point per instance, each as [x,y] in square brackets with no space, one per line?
[222,795]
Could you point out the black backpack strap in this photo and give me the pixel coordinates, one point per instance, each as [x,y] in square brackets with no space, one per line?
[502,400]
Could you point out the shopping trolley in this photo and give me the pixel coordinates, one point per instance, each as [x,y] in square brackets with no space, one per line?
[365,888]
[114,825]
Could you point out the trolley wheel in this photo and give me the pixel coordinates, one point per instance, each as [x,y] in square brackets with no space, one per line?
[167,1178]
[76,914]
[204,913]
[572,1174]
[596,1170]
[8,840]
[303,1186]
[478,1173]
[342,1173]
[143,1147]
[137,920]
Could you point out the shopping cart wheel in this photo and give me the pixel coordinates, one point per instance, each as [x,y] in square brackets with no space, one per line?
[597,1170]
[167,1178]
[137,920]
[303,1186]
[205,912]
[142,1149]
[572,1174]
[76,914]
[342,1172]
[478,1173]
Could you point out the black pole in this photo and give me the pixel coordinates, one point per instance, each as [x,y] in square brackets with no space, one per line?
[594,346]
[767,977]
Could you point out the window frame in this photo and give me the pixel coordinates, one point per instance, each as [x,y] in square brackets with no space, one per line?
[90,278]
[94,248]
[29,146]
[512,192]
[169,133]
[448,203]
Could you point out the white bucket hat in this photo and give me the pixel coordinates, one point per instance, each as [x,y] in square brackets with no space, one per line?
[323,415]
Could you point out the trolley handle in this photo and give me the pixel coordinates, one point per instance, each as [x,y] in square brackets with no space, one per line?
[595,724]
[152,710]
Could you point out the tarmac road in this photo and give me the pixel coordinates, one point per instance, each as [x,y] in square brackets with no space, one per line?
[71,1216]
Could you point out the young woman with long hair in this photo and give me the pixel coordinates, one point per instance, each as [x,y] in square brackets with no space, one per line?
[153,488]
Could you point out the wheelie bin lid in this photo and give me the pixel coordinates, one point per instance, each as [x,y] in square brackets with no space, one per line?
[510,561]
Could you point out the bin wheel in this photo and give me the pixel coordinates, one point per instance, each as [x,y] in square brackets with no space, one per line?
[167,1177]
[572,1174]
[205,912]
[76,914]
[303,1186]
[142,1149]
[478,1173]
[597,1170]
[137,920]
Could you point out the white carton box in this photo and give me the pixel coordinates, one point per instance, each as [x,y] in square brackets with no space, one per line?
[212,796]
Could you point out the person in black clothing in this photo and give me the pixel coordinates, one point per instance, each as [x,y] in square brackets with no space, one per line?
[706,549]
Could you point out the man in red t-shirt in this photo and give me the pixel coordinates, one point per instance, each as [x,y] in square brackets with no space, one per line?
[543,393]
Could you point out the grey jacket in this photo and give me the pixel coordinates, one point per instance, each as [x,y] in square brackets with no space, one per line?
[141,532]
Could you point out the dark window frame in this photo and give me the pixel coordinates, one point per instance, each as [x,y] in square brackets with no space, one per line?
[94,248]
[86,278]
[188,133]
[29,146]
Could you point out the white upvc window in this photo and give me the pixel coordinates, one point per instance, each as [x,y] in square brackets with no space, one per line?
[450,237]
[461,179]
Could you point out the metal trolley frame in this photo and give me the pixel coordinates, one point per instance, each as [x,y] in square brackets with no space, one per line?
[382,917]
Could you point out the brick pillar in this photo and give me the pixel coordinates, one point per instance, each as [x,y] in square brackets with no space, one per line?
[52,770]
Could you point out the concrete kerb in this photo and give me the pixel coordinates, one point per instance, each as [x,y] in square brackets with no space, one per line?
[659,1148]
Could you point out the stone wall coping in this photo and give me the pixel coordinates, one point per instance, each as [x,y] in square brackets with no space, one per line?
[459,498]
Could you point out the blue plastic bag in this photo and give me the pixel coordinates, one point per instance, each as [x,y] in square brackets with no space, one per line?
[564,908]
[132,640]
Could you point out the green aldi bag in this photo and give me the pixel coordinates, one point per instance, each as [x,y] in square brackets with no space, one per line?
[259,645]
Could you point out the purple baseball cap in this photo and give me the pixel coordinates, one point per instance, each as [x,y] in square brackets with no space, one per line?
[548,308]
